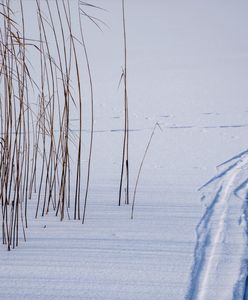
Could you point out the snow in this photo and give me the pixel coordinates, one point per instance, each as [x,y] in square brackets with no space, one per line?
[110,257]
[221,247]
[187,70]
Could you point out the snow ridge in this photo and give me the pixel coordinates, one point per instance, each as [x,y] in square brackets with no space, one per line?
[222,227]
[241,287]
[203,236]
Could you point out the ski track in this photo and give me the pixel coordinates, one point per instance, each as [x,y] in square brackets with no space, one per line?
[212,230]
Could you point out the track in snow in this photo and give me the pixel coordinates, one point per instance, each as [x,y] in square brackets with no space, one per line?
[219,270]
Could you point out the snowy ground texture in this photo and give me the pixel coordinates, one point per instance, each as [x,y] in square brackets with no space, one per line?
[188,70]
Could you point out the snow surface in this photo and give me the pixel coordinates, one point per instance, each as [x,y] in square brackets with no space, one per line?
[187,70]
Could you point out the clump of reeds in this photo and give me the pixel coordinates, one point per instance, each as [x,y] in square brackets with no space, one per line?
[14,125]
[36,140]
[67,65]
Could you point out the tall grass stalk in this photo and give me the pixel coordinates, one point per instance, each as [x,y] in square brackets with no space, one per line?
[141,165]
[82,12]
[125,147]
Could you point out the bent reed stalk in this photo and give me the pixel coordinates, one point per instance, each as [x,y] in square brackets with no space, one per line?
[141,165]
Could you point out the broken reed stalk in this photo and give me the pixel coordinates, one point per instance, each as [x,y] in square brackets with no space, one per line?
[125,147]
[141,165]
